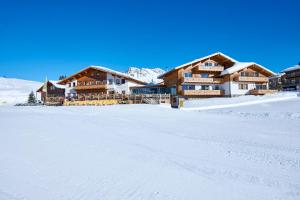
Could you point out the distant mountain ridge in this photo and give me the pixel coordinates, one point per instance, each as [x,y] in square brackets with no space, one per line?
[148,75]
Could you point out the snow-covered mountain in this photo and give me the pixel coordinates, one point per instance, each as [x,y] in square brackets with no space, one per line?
[14,91]
[146,74]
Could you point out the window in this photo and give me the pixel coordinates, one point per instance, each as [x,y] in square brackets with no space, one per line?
[188,87]
[204,87]
[110,81]
[52,87]
[208,64]
[74,84]
[244,74]
[255,74]
[217,87]
[261,87]
[118,81]
[204,75]
[243,86]
[123,81]
[69,84]
[187,74]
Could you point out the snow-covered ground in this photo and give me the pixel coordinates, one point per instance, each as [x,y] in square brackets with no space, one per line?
[14,91]
[150,152]
[229,102]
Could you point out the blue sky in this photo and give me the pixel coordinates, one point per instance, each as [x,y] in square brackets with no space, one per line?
[51,38]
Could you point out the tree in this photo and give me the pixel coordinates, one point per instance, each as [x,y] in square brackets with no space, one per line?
[31,98]
[61,77]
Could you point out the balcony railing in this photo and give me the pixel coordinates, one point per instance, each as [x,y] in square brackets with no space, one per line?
[217,68]
[262,92]
[252,79]
[203,92]
[90,87]
[203,80]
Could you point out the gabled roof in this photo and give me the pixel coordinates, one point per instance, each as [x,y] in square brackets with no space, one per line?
[241,65]
[198,60]
[104,69]
[296,67]
[55,83]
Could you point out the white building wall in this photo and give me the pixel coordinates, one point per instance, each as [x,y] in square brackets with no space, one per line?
[232,88]
[119,88]
[69,91]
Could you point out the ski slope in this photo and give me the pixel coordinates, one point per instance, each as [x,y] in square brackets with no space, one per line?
[14,91]
[134,152]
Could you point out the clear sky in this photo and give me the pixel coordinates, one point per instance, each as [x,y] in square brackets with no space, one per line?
[58,37]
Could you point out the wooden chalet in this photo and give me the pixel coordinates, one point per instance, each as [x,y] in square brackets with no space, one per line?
[217,75]
[52,93]
[291,78]
[96,82]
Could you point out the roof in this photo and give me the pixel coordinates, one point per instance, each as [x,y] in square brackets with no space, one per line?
[55,83]
[105,69]
[296,67]
[241,65]
[277,75]
[197,60]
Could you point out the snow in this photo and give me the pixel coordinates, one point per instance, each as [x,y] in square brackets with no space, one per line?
[14,91]
[241,65]
[226,102]
[151,152]
[116,72]
[55,83]
[296,67]
[148,75]
[236,67]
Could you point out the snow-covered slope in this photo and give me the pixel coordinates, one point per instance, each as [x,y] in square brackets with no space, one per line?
[146,74]
[148,152]
[14,91]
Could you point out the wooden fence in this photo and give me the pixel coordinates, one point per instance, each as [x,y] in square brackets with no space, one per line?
[120,99]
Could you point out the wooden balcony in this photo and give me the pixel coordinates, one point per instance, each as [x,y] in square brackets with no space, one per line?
[203,80]
[261,92]
[252,79]
[210,68]
[203,92]
[90,87]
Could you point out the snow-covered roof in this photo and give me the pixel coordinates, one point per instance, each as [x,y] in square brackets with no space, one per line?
[296,67]
[105,69]
[55,83]
[241,65]
[236,67]
[199,59]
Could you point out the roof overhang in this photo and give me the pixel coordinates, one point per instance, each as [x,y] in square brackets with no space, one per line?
[199,60]
[101,69]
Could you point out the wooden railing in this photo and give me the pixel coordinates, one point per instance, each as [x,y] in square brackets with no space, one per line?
[261,92]
[252,79]
[89,87]
[210,68]
[124,98]
[203,80]
[203,92]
